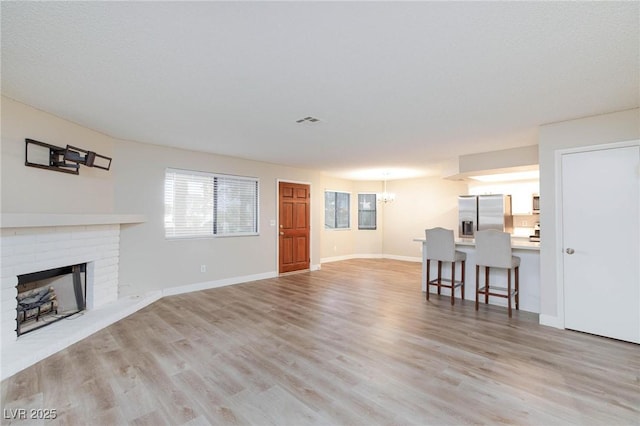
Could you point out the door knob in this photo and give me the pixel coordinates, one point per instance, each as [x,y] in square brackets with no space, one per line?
[281,232]
[570,251]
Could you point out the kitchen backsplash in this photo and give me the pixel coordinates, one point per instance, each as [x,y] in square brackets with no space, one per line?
[523,224]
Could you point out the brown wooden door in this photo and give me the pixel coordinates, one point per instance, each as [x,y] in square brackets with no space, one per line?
[294,227]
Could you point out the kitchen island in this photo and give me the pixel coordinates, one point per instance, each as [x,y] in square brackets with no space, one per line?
[527,251]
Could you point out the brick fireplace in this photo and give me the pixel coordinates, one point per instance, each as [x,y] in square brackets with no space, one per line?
[32,243]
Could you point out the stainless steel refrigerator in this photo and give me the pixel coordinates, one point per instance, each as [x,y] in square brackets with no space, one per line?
[480,212]
[494,212]
[467,216]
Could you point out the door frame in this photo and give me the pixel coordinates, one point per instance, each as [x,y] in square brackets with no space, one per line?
[559,237]
[312,267]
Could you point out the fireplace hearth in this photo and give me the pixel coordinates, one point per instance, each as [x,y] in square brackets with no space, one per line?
[45,297]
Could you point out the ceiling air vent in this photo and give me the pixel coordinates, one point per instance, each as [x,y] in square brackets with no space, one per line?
[308,120]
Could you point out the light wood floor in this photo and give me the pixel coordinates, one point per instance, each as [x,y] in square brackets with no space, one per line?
[354,343]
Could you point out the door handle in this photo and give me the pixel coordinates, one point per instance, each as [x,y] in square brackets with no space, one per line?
[570,251]
[281,232]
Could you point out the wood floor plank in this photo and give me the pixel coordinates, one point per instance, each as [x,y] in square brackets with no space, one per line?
[355,343]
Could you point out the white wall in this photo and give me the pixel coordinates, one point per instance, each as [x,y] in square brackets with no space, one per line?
[420,203]
[33,190]
[135,184]
[601,129]
[150,262]
[506,158]
[338,244]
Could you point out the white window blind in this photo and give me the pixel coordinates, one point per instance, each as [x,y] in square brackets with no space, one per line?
[199,204]
[236,205]
[367,211]
[336,209]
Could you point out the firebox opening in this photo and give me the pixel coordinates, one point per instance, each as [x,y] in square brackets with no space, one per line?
[48,296]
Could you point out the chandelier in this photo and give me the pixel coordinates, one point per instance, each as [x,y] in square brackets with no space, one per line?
[385,197]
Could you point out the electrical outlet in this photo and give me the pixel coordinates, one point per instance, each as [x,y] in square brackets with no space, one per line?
[203,268]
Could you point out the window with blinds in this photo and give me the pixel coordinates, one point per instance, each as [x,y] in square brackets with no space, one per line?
[199,204]
[367,211]
[336,209]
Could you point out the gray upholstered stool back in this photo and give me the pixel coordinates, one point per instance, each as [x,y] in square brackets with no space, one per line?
[493,248]
[440,244]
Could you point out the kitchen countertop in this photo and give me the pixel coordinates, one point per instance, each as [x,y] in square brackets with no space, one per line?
[517,243]
[529,271]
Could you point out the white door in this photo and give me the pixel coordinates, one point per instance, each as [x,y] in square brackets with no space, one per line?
[601,242]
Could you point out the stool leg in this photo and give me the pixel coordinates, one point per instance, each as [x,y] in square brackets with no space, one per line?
[486,285]
[453,282]
[517,287]
[439,277]
[462,274]
[509,290]
[428,278]
[477,285]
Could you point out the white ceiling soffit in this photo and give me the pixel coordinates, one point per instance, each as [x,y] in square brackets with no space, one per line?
[398,85]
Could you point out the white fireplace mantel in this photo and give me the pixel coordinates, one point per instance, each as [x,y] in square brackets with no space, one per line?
[36,220]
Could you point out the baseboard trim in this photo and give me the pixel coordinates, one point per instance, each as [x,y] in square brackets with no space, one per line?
[403,258]
[551,321]
[207,285]
[370,256]
[350,257]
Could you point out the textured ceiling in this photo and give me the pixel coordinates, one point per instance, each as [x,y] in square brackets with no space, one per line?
[396,85]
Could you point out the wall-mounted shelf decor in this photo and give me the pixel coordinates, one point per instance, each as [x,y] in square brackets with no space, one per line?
[66,160]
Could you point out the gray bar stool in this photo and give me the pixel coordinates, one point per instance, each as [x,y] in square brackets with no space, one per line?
[493,250]
[441,247]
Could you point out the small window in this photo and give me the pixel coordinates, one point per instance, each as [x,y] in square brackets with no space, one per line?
[336,209]
[198,204]
[367,211]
